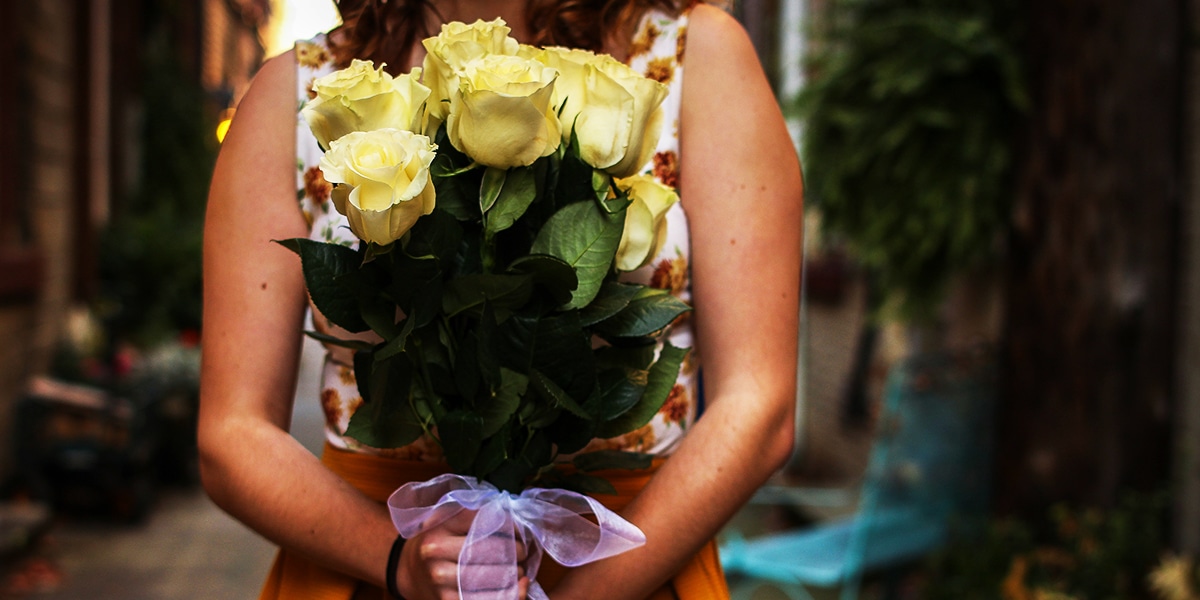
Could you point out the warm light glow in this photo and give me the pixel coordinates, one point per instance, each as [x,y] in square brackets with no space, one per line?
[223,124]
[293,20]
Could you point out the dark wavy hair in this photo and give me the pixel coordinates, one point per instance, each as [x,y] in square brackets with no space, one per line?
[385,31]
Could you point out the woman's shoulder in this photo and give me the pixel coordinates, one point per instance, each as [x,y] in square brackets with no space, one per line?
[275,79]
[712,31]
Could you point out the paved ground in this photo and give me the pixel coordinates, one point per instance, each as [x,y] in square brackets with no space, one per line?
[187,548]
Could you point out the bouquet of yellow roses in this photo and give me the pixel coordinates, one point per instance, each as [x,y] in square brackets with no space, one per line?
[495,196]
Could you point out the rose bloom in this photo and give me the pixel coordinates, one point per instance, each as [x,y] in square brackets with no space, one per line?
[645,221]
[501,115]
[615,111]
[383,183]
[361,98]
[447,53]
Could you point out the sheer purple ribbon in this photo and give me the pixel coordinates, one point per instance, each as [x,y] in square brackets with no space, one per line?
[548,520]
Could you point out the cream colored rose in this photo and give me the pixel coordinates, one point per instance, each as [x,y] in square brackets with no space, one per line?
[448,53]
[383,184]
[361,98]
[645,221]
[501,115]
[615,111]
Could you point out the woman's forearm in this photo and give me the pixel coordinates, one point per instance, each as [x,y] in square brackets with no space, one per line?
[692,496]
[278,488]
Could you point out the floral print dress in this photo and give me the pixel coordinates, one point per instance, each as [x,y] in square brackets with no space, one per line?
[657,50]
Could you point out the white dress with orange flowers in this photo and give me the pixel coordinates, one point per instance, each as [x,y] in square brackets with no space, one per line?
[657,50]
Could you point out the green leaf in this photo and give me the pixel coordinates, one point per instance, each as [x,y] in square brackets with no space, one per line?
[612,459]
[601,183]
[467,366]
[459,197]
[461,433]
[574,177]
[470,292]
[512,474]
[538,415]
[620,390]
[587,484]
[661,379]
[385,419]
[397,344]
[638,358]
[549,390]
[586,238]
[363,363]
[551,274]
[490,188]
[324,264]
[445,169]
[386,429]
[611,299]
[358,345]
[562,351]
[505,400]
[570,433]
[493,453]
[518,192]
[648,312]
[436,234]
[380,315]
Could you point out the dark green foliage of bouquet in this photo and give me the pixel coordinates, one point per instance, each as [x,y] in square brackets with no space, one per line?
[500,292]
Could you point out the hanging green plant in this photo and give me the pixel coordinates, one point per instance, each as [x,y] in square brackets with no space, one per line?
[908,144]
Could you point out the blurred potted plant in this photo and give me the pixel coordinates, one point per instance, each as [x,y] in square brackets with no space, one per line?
[908,146]
[908,141]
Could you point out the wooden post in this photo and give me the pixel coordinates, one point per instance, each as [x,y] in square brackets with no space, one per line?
[1090,342]
[1187,363]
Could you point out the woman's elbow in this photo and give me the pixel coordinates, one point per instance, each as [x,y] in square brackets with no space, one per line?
[780,440]
[215,452]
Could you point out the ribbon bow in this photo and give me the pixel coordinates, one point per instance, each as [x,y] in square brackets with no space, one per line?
[549,520]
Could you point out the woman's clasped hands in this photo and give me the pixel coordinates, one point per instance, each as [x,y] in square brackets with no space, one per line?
[431,561]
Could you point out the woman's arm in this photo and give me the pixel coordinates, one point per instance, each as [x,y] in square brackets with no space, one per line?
[254,303]
[741,187]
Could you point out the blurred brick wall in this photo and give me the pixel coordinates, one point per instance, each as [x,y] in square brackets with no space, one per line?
[42,178]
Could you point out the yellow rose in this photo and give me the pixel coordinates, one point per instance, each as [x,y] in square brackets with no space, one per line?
[361,98]
[383,184]
[448,53]
[501,115]
[615,111]
[645,221]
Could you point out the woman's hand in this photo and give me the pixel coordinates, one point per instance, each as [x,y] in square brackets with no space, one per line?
[429,566]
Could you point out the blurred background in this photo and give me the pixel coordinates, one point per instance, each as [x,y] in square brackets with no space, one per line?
[1000,378]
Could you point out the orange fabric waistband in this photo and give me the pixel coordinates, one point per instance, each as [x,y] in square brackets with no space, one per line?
[379,476]
[292,577]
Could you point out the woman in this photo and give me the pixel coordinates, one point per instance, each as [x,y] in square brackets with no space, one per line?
[739,183]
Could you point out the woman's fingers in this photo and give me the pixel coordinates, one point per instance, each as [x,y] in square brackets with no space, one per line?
[483,581]
[495,557]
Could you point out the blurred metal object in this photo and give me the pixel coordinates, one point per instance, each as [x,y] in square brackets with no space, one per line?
[927,482]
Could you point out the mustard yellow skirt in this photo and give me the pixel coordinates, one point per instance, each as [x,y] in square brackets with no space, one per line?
[294,578]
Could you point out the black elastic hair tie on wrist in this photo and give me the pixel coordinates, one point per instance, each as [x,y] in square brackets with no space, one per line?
[393,562]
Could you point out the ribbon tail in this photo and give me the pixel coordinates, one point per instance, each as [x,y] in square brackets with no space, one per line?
[556,519]
[536,592]
[487,564]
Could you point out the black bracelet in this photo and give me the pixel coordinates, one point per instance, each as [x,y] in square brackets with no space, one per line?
[391,574]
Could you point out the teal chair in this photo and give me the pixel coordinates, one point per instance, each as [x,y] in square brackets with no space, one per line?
[926,480]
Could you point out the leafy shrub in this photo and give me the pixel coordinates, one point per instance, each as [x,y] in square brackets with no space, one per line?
[908,142]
